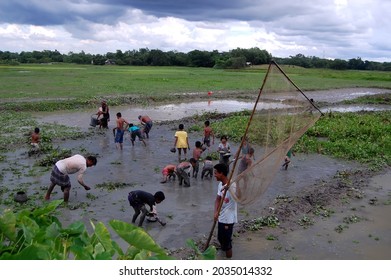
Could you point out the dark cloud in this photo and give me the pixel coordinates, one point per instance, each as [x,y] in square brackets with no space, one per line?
[53,12]
[291,15]
[212,10]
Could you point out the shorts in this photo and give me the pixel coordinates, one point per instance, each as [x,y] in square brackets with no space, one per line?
[207,141]
[119,136]
[148,127]
[134,201]
[136,133]
[60,179]
[224,235]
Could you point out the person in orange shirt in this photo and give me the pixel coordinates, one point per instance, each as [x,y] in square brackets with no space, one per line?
[168,172]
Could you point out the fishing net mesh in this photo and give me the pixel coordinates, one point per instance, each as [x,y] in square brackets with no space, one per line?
[282,114]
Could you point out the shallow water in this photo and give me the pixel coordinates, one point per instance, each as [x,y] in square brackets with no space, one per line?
[356,108]
[368,239]
[191,209]
[169,112]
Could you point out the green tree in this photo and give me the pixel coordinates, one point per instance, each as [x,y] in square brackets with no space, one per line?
[201,59]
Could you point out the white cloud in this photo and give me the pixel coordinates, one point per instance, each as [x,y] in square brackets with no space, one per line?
[340,29]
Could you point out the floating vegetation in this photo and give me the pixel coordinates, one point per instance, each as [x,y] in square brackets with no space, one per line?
[340,228]
[113,186]
[258,223]
[364,137]
[305,221]
[271,237]
[54,156]
[352,219]
[91,196]
[82,205]
[323,212]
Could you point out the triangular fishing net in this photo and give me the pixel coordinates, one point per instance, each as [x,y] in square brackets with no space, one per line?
[282,114]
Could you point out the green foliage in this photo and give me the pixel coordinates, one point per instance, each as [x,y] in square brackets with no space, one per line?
[113,186]
[260,222]
[38,235]
[18,126]
[233,126]
[305,221]
[208,254]
[365,137]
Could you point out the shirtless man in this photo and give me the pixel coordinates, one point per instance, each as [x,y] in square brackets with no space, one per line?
[147,123]
[35,140]
[119,131]
[208,134]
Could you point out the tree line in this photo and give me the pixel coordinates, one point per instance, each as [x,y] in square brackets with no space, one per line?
[235,59]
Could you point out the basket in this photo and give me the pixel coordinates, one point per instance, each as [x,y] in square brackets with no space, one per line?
[94,121]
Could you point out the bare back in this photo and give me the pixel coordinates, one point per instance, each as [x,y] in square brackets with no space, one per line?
[121,123]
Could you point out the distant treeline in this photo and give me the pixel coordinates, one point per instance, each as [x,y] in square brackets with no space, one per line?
[235,59]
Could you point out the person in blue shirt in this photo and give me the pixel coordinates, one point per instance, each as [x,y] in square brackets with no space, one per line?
[135,132]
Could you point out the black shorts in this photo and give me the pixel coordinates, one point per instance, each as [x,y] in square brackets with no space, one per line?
[224,235]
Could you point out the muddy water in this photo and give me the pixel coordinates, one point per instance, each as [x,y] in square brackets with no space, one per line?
[368,239]
[189,211]
[167,112]
[180,110]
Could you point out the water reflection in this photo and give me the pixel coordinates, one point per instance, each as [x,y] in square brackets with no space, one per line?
[356,108]
[177,111]
[166,112]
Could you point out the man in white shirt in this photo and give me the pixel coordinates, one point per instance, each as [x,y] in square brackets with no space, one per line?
[71,165]
[228,214]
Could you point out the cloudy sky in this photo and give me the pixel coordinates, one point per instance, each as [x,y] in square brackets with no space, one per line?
[341,29]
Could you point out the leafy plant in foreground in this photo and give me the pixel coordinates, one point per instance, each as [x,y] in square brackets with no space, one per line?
[39,235]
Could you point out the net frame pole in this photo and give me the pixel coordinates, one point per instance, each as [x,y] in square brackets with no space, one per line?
[236,158]
[309,100]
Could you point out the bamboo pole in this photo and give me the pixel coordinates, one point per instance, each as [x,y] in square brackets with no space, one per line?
[236,160]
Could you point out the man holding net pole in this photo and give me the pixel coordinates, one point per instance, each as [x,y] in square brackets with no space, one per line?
[225,210]
[272,130]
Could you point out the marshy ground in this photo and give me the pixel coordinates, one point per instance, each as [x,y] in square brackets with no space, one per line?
[326,208]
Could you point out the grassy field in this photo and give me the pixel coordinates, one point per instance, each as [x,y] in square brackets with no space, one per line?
[65,86]
[88,82]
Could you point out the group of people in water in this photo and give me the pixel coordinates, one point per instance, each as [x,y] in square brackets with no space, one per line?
[144,203]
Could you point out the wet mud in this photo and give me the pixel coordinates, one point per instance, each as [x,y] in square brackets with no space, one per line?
[292,196]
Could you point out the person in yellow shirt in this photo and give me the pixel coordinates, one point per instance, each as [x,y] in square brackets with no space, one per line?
[181,142]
